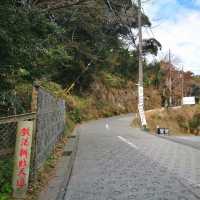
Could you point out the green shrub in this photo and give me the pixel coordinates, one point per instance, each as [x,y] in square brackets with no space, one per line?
[100,104]
[6,169]
[111,80]
[69,124]
[76,115]
[195,122]
[4,196]
[182,122]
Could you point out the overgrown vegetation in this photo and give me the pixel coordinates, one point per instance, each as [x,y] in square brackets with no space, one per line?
[42,40]
[194,123]
[6,169]
[48,169]
[180,120]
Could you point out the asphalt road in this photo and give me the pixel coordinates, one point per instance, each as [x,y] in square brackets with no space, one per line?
[117,162]
[192,141]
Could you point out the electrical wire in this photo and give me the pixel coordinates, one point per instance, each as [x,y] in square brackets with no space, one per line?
[117,19]
[120,21]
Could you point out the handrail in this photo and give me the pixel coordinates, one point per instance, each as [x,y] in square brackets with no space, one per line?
[17,118]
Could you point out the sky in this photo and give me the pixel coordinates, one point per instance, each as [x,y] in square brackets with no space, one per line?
[176,24]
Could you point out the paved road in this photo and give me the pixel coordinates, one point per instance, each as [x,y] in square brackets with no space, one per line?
[192,141]
[117,162]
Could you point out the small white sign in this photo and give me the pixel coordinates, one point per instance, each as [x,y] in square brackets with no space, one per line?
[142,115]
[188,100]
[141,105]
[141,96]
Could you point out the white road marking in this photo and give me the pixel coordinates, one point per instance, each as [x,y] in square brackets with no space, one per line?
[107,126]
[128,142]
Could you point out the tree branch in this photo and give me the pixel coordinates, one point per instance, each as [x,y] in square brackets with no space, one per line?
[56,5]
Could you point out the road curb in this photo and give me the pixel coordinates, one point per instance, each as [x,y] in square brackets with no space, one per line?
[57,186]
[182,142]
[64,185]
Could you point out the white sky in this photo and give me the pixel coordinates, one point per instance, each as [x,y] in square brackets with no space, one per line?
[176,24]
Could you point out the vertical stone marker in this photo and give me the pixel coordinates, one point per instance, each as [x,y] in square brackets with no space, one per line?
[22,159]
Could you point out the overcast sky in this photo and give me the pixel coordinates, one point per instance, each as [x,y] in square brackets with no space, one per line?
[176,24]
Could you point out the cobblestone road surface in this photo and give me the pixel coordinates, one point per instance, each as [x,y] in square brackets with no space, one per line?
[117,162]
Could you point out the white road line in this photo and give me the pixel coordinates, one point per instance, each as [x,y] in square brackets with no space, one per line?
[107,126]
[128,142]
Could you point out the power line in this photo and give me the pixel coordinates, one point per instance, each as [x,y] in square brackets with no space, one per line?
[117,19]
[120,21]
[153,34]
[140,80]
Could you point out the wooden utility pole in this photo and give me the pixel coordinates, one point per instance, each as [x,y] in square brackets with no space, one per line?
[140,78]
[182,86]
[140,82]
[170,79]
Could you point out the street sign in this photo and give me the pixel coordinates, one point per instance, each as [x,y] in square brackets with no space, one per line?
[188,100]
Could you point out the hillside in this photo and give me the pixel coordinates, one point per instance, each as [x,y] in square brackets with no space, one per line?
[108,95]
[48,42]
[179,120]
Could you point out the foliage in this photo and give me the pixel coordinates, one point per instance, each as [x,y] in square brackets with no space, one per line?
[24,35]
[6,169]
[76,115]
[181,120]
[60,44]
[69,125]
[16,101]
[195,121]
[112,81]
[154,75]
[196,92]
[151,46]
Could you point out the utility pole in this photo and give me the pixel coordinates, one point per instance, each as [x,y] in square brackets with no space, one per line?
[140,81]
[170,78]
[140,78]
[182,86]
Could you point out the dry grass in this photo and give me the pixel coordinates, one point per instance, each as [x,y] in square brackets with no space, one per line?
[176,119]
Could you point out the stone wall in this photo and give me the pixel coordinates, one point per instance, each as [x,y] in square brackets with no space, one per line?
[50,124]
